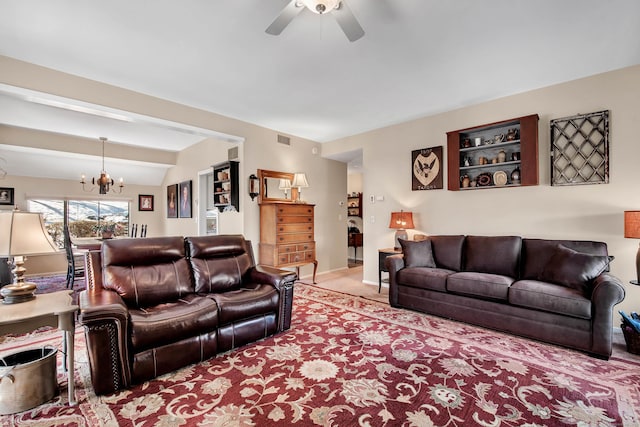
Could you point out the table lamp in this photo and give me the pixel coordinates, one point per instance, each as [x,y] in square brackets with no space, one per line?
[285,186]
[401,221]
[23,234]
[632,231]
[300,181]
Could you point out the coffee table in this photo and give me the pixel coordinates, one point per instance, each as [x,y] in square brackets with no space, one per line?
[53,309]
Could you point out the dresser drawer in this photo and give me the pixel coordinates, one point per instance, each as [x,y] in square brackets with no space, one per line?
[287,249]
[297,257]
[288,219]
[295,228]
[293,238]
[294,210]
[306,247]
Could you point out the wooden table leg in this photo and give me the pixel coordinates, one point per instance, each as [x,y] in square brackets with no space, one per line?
[315,268]
[70,368]
[66,322]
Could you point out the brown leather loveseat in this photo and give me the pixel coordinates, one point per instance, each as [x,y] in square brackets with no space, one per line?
[558,291]
[154,305]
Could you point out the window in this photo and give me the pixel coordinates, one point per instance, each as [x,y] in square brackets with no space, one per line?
[85,217]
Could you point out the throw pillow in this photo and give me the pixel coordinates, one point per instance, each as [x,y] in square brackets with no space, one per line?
[573,269]
[417,254]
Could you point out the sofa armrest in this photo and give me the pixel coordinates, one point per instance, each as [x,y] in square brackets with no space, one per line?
[93,270]
[273,276]
[105,318]
[283,282]
[607,291]
[394,263]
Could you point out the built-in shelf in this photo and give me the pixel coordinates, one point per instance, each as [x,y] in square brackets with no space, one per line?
[225,185]
[497,155]
[354,205]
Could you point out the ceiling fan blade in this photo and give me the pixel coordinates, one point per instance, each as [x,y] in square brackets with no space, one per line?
[289,12]
[348,22]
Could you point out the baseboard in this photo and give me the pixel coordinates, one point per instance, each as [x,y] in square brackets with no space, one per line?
[320,273]
[375,283]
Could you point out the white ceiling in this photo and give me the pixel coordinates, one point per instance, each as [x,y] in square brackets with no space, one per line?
[417,58]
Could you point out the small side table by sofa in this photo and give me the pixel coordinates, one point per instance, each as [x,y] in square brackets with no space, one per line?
[53,309]
[382,255]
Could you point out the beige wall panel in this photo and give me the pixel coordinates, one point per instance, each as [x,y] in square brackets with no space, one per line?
[589,212]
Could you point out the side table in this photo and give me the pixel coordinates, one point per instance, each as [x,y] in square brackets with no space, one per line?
[53,309]
[382,255]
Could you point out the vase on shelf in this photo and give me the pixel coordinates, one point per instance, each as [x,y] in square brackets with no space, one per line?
[515,176]
[502,156]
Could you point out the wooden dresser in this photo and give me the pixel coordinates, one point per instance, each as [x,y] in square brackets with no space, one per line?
[286,236]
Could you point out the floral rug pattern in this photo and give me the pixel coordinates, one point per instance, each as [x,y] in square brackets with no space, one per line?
[351,361]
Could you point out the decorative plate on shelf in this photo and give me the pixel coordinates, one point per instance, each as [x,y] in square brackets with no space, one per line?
[500,178]
[483,179]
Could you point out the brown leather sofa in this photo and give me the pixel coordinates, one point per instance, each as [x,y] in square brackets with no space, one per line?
[558,291]
[154,305]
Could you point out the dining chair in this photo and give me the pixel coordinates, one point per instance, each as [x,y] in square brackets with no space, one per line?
[75,259]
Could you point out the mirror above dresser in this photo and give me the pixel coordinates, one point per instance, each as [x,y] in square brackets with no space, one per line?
[275,187]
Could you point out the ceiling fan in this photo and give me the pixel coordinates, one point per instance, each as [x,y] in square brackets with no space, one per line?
[337,8]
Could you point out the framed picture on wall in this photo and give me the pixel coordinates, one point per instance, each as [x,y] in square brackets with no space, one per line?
[426,166]
[145,202]
[172,201]
[6,196]
[185,199]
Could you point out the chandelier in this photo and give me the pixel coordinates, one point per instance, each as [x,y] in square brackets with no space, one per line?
[104,182]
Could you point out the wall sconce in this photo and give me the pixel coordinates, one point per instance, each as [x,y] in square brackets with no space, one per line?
[300,181]
[401,221]
[254,186]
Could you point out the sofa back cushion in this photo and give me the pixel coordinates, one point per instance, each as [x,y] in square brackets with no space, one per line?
[219,263]
[146,272]
[493,254]
[536,253]
[447,251]
[573,269]
[417,253]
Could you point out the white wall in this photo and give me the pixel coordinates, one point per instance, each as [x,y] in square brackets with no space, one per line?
[589,212]
[260,150]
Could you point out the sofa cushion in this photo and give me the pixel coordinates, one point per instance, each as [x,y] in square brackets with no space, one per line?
[493,254]
[146,272]
[536,253]
[246,302]
[434,279]
[447,251]
[417,254]
[172,321]
[483,285]
[573,269]
[549,297]
[219,263]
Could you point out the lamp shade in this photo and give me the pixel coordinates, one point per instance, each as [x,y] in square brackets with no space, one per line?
[300,180]
[285,184]
[401,220]
[24,233]
[632,224]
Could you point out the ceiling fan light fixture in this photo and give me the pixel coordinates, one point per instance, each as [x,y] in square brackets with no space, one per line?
[321,6]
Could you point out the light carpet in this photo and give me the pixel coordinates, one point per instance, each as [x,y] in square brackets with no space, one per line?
[352,361]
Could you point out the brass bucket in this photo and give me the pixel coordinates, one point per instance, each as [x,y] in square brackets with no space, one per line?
[28,378]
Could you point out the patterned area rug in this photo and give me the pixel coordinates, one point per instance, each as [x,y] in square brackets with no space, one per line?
[350,361]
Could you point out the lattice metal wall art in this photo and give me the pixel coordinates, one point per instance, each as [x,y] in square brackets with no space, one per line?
[580,149]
